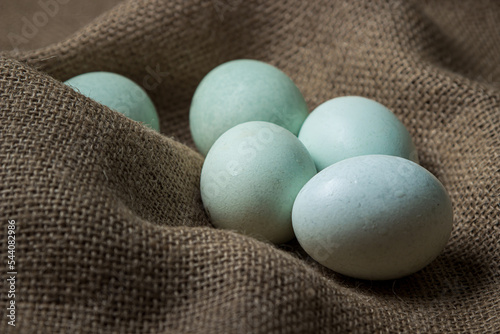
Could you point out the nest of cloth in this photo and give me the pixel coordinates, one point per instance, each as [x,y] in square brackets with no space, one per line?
[111,234]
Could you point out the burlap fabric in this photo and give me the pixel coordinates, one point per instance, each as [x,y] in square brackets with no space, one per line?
[111,232]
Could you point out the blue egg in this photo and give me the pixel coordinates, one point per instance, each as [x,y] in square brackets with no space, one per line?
[118,93]
[250,179]
[373,217]
[349,126]
[240,91]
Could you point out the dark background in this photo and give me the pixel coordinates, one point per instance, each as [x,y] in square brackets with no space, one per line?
[53,20]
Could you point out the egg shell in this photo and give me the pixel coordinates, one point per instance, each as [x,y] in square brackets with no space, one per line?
[240,91]
[349,126]
[118,93]
[250,179]
[373,217]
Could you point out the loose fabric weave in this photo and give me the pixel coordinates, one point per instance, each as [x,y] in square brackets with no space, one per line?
[111,234]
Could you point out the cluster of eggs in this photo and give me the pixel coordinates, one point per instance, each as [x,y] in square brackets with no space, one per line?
[343,179]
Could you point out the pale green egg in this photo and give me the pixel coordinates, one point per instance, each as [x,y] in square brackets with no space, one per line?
[350,126]
[250,179]
[373,217]
[118,93]
[240,91]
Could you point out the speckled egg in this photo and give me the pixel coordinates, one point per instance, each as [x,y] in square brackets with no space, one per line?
[240,91]
[373,217]
[250,179]
[349,126]
[118,93]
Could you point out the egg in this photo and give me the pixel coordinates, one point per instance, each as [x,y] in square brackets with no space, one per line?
[349,126]
[373,217]
[118,93]
[250,179]
[240,91]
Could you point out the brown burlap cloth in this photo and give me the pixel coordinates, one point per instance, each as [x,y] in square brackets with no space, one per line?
[111,232]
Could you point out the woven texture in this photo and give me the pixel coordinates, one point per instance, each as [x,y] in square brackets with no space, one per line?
[111,232]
